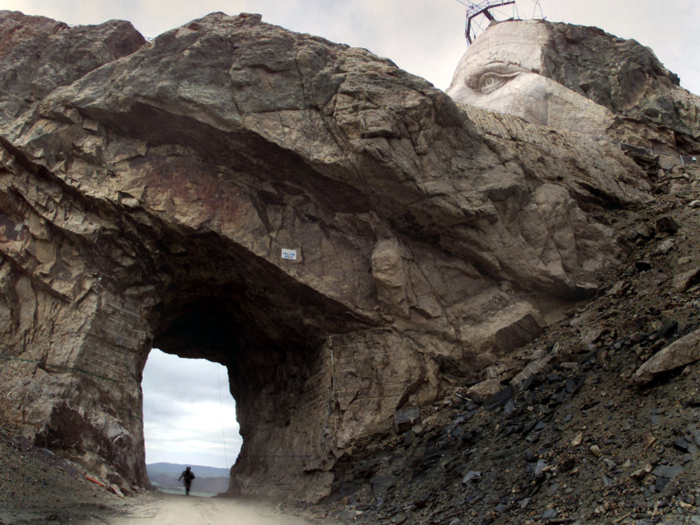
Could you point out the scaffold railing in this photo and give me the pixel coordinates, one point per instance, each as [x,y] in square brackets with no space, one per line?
[477,9]
[481,14]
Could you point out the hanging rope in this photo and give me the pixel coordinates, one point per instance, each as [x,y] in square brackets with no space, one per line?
[157,383]
[221,412]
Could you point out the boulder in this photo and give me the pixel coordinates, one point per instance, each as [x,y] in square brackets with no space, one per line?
[685,280]
[485,389]
[679,353]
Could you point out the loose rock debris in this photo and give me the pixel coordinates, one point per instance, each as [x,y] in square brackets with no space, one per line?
[37,486]
[573,434]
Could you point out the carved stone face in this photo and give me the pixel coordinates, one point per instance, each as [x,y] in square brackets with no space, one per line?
[501,71]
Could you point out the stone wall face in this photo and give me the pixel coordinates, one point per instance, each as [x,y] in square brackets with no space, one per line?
[146,203]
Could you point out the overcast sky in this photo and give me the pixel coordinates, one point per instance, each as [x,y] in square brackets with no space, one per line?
[185,402]
[426,37]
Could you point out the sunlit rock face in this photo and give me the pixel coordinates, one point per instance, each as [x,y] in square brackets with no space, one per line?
[580,79]
[146,198]
[502,71]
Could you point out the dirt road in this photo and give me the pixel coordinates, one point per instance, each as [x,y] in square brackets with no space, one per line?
[37,487]
[169,509]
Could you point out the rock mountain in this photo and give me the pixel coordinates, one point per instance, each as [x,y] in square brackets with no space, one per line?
[345,238]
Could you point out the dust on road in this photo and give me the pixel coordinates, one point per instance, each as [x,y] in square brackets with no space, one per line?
[170,509]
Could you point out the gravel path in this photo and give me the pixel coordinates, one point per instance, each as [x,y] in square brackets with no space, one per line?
[169,509]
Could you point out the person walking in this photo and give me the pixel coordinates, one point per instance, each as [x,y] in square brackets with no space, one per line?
[189,476]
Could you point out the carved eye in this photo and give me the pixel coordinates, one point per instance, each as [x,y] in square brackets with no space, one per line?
[489,82]
[493,76]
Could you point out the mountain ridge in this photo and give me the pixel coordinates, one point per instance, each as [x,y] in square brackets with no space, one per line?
[201,471]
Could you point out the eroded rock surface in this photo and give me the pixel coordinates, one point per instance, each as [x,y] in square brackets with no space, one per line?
[145,202]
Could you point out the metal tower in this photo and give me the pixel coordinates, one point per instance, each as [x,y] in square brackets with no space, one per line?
[481,14]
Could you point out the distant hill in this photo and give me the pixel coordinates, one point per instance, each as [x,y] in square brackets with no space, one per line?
[173,469]
[209,480]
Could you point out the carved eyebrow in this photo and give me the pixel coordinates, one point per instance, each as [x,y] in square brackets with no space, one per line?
[500,66]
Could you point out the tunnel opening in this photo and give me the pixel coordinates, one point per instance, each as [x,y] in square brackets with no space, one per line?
[215,300]
[189,420]
[267,360]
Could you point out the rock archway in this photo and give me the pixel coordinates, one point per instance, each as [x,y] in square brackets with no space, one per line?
[269,332]
[147,195]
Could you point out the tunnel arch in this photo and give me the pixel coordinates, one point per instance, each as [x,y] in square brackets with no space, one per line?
[267,365]
[135,278]
[269,332]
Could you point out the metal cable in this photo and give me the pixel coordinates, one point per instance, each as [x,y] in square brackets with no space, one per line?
[221,412]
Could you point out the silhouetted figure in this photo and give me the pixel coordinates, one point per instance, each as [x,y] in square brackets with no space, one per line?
[189,476]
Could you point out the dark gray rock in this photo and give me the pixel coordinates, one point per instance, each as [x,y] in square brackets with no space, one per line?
[348,514]
[53,54]
[422,499]
[549,514]
[509,408]
[681,444]
[667,329]
[552,490]
[602,78]
[539,468]
[471,476]
[499,399]
[668,471]
[661,484]
[667,225]
[382,482]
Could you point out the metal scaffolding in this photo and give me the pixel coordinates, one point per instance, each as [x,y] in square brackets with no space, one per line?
[481,14]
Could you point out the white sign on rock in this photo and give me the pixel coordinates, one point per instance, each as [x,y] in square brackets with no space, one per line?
[289,254]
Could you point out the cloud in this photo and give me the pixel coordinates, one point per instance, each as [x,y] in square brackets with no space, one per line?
[182,377]
[188,411]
